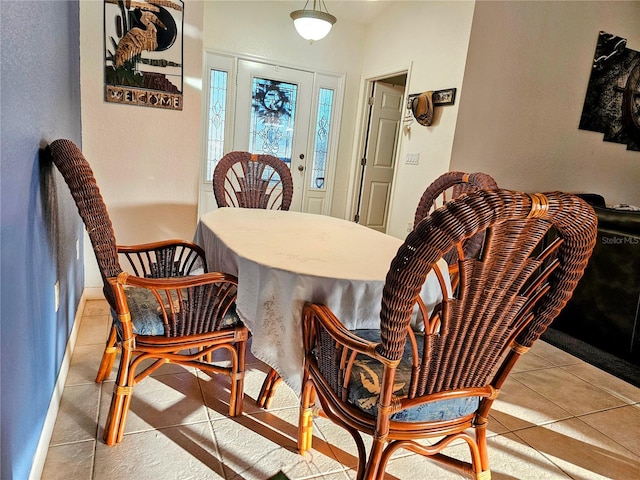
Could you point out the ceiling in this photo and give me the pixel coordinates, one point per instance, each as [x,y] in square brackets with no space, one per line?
[360,11]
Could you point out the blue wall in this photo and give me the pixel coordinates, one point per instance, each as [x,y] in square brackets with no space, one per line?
[40,101]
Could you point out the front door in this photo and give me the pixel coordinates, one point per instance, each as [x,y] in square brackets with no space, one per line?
[289,113]
[273,111]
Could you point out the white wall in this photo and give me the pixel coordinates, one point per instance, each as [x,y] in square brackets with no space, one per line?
[431,38]
[523,92]
[146,160]
[521,70]
[263,30]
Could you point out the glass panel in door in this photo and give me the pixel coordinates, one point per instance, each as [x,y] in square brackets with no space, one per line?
[273,118]
[273,106]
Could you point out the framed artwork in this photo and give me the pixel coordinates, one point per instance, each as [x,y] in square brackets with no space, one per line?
[143,52]
[444,97]
[612,101]
[440,98]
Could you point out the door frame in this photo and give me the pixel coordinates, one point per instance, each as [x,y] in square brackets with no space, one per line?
[360,147]
[322,79]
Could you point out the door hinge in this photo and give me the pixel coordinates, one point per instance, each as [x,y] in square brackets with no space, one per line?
[371,100]
[363,162]
[356,218]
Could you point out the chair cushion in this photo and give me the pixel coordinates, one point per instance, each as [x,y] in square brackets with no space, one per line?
[146,316]
[364,389]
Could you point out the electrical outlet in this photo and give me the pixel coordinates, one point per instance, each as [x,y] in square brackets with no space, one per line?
[412,158]
[56,288]
[409,227]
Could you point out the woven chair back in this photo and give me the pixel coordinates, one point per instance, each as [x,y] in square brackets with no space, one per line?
[445,188]
[78,175]
[511,293]
[243,179]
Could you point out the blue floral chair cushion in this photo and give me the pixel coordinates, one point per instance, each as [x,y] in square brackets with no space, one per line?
[364,389]
[146,316]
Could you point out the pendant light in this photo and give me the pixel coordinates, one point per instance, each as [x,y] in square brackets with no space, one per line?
[313,24]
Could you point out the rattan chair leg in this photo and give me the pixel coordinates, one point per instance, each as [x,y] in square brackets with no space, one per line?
[305,419]
[123,416]
[268,389]
[114,426]
[305,429]
[120,400]
[373,470]
[483,453]
[108,357]
[236,399]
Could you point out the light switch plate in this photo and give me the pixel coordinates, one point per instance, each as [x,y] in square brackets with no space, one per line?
[412,158]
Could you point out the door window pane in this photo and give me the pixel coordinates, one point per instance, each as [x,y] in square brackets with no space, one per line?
[273,109]
[322,129]
[217,117]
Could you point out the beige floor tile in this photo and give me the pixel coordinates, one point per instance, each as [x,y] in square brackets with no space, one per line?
[495,427]
[605,381]
[84,364]
[329,436]
[254,447]
[553,354]
[581,451]
[518,406]
[93,308]
[93,331]
[509,459]
[406,467]
[619,424]
[512,459]
[344,449]
[178,425]
[77,416]
[160,402]
[568,391]
[531,361]
[72,461]
[184,452]
[284,396]
[215,389]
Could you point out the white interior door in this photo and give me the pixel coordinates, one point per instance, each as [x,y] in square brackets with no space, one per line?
[380,155]
[272,116]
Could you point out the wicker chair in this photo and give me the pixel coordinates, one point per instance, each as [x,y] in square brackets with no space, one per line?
[446,187]
[243,179]
[163,310]
[402,386]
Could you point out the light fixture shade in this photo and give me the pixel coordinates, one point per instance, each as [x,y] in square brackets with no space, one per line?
[313,24]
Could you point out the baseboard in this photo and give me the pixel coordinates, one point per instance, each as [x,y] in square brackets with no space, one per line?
[47,430]
[93,293]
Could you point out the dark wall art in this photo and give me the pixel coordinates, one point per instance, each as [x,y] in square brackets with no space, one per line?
[143,52]
[612,103]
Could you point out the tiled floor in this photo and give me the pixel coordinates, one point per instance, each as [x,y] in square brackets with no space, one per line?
[557,418]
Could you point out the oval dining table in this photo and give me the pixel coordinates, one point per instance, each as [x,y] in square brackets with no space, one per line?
[283,259]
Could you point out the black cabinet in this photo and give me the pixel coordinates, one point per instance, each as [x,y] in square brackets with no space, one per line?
[605,308]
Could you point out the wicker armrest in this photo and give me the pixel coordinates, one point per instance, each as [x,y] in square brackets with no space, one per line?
[320,318]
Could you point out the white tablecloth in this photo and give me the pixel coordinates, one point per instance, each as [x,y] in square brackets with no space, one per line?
[284,259]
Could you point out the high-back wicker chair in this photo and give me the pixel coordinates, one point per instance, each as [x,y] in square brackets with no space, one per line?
[402,386]
[163,309]
[243,179]
[449,186]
